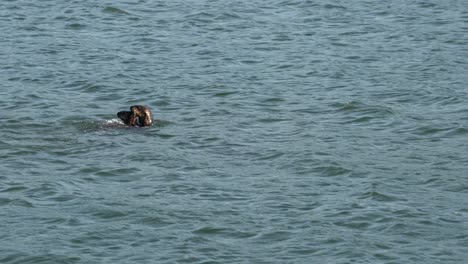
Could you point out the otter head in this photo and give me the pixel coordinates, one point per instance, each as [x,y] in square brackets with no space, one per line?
[138,115]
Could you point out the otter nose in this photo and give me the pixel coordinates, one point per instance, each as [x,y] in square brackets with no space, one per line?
[139,121]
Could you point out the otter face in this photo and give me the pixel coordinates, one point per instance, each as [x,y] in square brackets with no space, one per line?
[138,115]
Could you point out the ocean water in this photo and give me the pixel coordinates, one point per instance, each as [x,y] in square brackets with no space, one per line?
[285,131]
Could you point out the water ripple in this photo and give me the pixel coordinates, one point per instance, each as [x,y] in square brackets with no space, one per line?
[285,132]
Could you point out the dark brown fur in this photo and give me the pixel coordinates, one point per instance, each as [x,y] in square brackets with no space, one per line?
[139,115]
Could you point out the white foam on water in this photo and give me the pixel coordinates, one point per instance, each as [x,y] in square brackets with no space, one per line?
[114,121]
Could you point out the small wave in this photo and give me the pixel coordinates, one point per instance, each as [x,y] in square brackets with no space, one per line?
[224,94]
[272,120]
[378,196]
[330,6]
[201,16]
[359,107]
[14,189]
[115,10]
[209,231]
[358,112]
[75,26]
[5,201]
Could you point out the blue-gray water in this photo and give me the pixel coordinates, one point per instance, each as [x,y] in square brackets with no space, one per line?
[286,131]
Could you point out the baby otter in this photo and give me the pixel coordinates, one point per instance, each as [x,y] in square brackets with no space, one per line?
[139,115]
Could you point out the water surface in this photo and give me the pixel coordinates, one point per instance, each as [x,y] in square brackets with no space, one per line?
[286,132]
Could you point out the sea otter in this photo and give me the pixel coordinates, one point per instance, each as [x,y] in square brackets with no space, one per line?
[139,115]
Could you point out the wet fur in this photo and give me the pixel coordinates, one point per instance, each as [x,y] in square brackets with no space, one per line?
[139,115]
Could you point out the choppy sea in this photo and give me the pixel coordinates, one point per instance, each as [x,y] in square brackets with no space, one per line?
[285,131]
